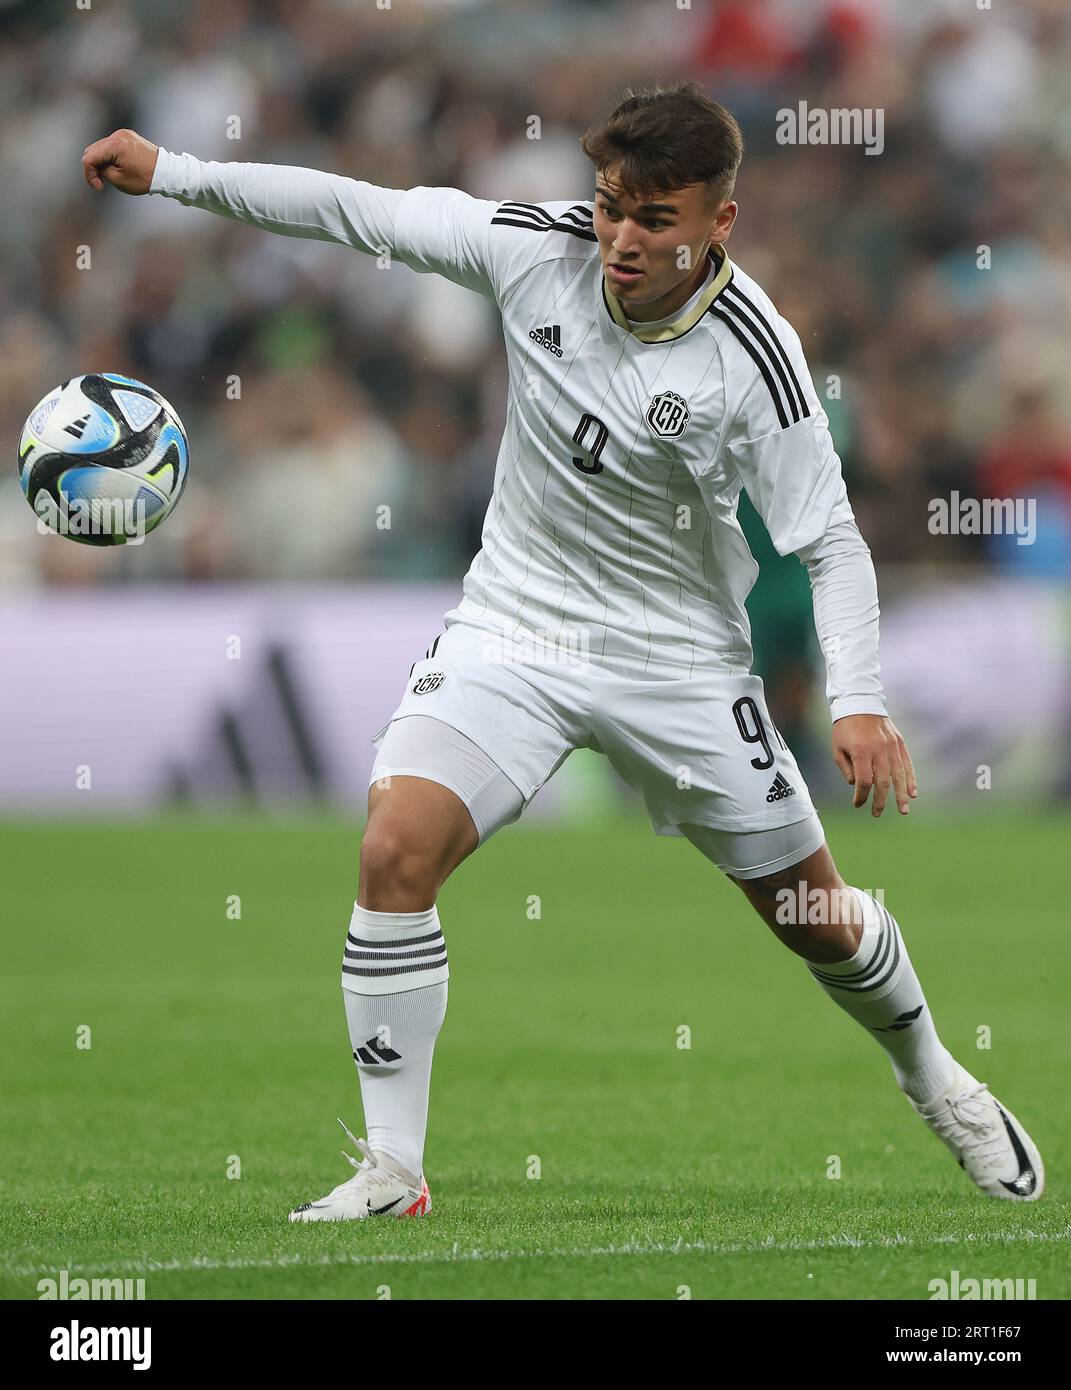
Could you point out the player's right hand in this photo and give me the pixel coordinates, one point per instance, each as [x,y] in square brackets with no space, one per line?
[124,159]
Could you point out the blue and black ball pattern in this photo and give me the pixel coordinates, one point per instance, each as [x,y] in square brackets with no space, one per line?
[97,444]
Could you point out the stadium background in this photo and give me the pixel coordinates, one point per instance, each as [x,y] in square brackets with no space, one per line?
[359,387]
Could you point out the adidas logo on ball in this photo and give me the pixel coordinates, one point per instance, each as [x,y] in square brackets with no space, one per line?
[426,684]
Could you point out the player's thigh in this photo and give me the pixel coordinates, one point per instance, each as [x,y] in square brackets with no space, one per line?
[434,796]
[417,825]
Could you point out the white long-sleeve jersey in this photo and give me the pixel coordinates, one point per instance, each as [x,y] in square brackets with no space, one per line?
[612,525]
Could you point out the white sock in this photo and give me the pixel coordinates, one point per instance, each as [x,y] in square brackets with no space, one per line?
[394,975]
[880,989]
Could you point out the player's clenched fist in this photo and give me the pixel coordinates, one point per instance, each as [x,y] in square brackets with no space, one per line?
[124,159]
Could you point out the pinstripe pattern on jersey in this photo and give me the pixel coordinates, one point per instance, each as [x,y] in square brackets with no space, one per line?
[760,341]
[575,220]
[560,553]
[497,497]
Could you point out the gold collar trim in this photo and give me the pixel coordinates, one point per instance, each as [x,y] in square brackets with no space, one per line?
[678,327]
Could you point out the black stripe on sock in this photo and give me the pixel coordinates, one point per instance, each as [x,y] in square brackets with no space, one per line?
[854,983]
[347,954]
[401,970]
[402,941]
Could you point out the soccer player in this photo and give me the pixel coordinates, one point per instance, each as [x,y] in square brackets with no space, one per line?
[651,380]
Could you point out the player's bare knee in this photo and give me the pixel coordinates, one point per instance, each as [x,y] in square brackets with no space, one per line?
[822,944]
[810,909]
[822,923]
[397,874]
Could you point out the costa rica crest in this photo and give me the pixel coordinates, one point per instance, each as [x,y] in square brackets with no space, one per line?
[668,415]
[427,683]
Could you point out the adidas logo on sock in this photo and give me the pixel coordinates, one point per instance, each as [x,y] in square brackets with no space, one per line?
[373,1052]
[901,1021]
[549,337]
[780,789]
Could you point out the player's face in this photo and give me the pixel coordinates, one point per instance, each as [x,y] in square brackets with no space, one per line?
[654,252]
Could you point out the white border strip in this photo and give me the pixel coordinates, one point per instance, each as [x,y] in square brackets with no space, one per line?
[457,1255]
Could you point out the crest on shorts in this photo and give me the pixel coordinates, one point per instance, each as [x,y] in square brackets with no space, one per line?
[426,684]
[668,415]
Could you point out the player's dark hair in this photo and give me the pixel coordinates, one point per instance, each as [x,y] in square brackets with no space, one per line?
[663,138]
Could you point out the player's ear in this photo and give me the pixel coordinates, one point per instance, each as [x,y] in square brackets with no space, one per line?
[723,221]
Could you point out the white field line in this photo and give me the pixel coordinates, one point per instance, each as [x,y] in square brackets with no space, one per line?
[457,1255]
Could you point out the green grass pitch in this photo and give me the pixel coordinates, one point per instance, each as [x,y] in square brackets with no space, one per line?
[663,1171]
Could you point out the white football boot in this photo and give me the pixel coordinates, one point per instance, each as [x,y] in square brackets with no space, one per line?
[991,1145]
[380,1187]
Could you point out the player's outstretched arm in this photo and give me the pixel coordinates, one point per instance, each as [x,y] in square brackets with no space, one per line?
[124,159]
[444,231]
[286,199]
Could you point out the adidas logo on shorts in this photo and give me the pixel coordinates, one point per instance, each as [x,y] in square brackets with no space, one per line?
[780,789]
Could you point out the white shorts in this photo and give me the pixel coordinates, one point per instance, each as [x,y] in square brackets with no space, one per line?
[421,747]
[702,750]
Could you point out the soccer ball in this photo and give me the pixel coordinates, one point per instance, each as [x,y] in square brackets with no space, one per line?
[103,459]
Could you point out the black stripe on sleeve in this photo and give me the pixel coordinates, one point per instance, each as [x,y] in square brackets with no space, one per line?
[508,216]
[756,357]
[528,209]
[763,344]
[737,293]
[577,213]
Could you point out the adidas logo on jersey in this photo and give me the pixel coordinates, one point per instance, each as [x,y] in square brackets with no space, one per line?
[780,789]
[550,337]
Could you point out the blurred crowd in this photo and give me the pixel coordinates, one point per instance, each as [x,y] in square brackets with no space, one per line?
[930,285]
